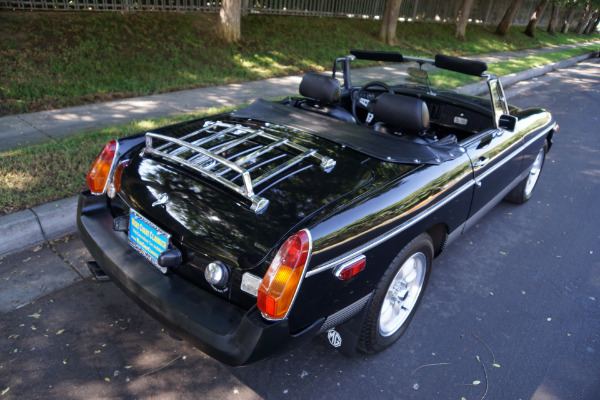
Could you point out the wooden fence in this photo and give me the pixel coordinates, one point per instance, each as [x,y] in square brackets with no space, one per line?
[486,12]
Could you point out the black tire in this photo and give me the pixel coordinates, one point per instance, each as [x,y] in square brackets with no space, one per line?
[523,191]
[385,323]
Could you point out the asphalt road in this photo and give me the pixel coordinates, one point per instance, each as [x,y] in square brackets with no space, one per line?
[512,310]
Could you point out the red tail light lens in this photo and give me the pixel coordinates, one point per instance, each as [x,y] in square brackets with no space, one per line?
[100,171]
[282,280]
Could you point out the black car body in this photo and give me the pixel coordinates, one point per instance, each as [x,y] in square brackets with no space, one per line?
[251,232]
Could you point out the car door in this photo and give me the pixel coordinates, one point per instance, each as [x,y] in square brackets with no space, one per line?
[495,157]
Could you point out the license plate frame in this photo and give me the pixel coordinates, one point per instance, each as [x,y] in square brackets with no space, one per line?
[147,239]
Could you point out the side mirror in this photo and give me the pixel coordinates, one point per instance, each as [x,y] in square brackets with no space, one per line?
[507,122]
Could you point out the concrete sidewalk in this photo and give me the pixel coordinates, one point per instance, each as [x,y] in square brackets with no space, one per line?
[43,223]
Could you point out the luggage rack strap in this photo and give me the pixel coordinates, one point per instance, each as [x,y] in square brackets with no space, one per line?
[247,188]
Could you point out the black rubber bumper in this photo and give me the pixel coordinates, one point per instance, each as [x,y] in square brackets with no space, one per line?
[218,328]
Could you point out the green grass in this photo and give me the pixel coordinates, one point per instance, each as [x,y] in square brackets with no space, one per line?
[54,170]
[520,64]
[52,60]
[449,79]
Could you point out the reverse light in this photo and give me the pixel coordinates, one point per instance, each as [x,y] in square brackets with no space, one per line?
[216,274]
[282,280]
[97,178]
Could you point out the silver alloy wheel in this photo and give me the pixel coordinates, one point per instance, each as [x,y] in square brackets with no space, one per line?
[534,173]
[402,294]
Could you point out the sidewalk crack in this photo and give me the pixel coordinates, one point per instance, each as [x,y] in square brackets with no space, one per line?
[37,218]
[52,247]
[36,128]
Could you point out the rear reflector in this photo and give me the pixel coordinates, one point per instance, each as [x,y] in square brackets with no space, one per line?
[118,173]
[282,280]
[351,268]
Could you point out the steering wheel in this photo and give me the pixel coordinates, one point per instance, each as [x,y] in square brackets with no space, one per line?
[360,102]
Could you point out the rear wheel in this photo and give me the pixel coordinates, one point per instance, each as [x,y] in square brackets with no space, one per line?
[397,295]
[523,191]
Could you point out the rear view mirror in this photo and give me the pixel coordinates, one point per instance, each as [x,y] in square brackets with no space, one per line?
[417,73]
[507,122]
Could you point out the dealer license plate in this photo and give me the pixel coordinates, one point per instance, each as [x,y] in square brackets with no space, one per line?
[147,238]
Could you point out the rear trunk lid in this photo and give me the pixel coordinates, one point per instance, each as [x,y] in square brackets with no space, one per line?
[237,188]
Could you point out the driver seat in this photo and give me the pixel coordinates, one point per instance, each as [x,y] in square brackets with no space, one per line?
[407,117]
[323,96]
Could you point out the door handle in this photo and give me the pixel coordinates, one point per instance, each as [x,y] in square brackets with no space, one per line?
[481,162]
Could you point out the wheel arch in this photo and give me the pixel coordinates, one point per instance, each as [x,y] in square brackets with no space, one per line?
[439,235]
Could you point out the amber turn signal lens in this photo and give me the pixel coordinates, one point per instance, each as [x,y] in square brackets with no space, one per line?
[282,280]
[98,175]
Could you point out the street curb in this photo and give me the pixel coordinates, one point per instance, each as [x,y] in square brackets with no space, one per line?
[478,88]
[48,221]
[38,224]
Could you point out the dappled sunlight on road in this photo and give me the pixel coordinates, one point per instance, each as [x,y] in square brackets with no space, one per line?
[101,345]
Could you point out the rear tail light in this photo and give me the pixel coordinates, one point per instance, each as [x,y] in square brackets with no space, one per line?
[99,174]
[282,280]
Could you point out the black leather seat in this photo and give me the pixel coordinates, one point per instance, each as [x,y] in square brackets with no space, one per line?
[323,94]
[407,117]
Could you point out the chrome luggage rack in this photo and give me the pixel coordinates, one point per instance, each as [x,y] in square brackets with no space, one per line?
[216,159]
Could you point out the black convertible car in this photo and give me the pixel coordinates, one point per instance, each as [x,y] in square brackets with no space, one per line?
[251,232]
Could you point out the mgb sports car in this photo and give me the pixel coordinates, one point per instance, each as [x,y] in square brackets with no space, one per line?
[251,232]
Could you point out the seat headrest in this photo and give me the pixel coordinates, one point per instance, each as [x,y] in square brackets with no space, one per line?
[409,114]
[321,87]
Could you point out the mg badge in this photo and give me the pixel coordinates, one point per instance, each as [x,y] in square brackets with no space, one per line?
[162,200]
[334,338]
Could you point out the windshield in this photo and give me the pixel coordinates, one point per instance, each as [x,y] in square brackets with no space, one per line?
[415,75]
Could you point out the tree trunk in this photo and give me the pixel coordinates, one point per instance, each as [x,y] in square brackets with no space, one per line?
[568,18]
[463,19]
[387,32]
[584,20]
[553,19]
[595,26]
[591,24]
[508,18]
[535,17]
[231,20]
